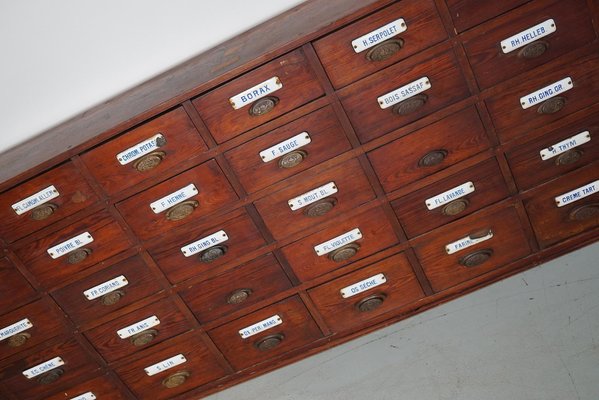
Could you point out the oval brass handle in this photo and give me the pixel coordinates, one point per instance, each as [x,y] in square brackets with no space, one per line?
[18,340]
[292,159]
[569,157]
[181,210]
[344,253]
[432,158]
[455,207]
[42,212]
[533,50]
[384,50]
[371,302]
[213,253]
[50,376]
[476,258]
[149,161]
[263,106]
[77,256]
[321,207]
[143,338]
[410,105]
[112,298]
[239,296]
[552,105]
[584,212]
[176,379]
[269,342]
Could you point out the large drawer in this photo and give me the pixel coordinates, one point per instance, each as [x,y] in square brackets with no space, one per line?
[469,13]
[15,289]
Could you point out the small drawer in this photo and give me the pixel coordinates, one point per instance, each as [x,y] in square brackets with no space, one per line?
[578,209]
[15,289]
[451,198]
[101,387]
[138,330]
[555,153]
[180,200]
[545,94]
[51,369]
[379,40]
[259,96]
[29,326]
[208,246]
[43,200]
[526,38]
[77,247]
[315,196]
[107,290]
[408,91]
[340,244]
[354,299]
[286,151]
[172,368]
[430,149]
[267,333]
[250,283]
[469,13]
[478,244]
[150,150]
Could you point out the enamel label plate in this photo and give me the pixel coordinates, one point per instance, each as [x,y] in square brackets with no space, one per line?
[546,93]
[140,149]
[35,200]
[260,326]
[379,35]
[106,287]
[527,36]
[85,396]
[15,328]
[286,146]
[466,242]
[565,145]
[204,243]
[256,92]
[174,198]
[339,241]
[166,364]
[137,327]
[43,367]
[577,194]
[72,244]
[404,92]
[449,196]
[363,286]
[312,196]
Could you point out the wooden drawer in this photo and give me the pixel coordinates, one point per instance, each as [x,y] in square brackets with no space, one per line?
[316,196]
[511,120]
[78,365]
[564,150]
[200,366]
[451,198]
[552,223]
[473,252]
[206,249]
[250,283]
[327,140]
[107,290]
[72,192]
[383,40]
[354,299]
[138,330]
[488,57]
[14,287]
[361,99]
[273,331]
[375,234]
[108,239]
[101,387]
[212,191]
[29,326]
[469,13]
[430,149]
[258,99]
[141,154]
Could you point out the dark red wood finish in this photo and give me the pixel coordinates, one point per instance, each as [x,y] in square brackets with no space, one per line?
[103,387]
[15,289]
[469,13]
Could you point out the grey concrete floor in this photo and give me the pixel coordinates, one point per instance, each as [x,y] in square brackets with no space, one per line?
[534,336]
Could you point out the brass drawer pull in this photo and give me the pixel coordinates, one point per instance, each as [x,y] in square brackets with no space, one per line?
[176,379]
[569,157]
[143,338]
[149,161]
[263,106]
[584,212]
[182,210]
[42,212]
[112,298]
[384,50]
[18,340]
[213,253]
[321,207]
[344,253]
[239,296]
[455,207]
[552,105]
[371,303]
[292,159]
[79,255]
[533,50]
[410,105]
[433,158]
[269,342]
[50,376]
[476,258]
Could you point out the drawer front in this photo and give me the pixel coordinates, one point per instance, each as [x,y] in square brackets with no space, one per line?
[138,330]
[77,367]
[451,198]
[255,281]
[199,366]
[43,200]
[14,287]
[293,329]
[555,153]
[354,299]
[108,239]
[99,388]
[552,223]
[291,153]
[492,63]
[29,326]
[361,99]
[242,237]
[141,154]
[473,252]
[375,234]
[212,191]
[469,13]
[107,290]
[430,149]
[316,196]
[255,97]
[383,40]
[511,120]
